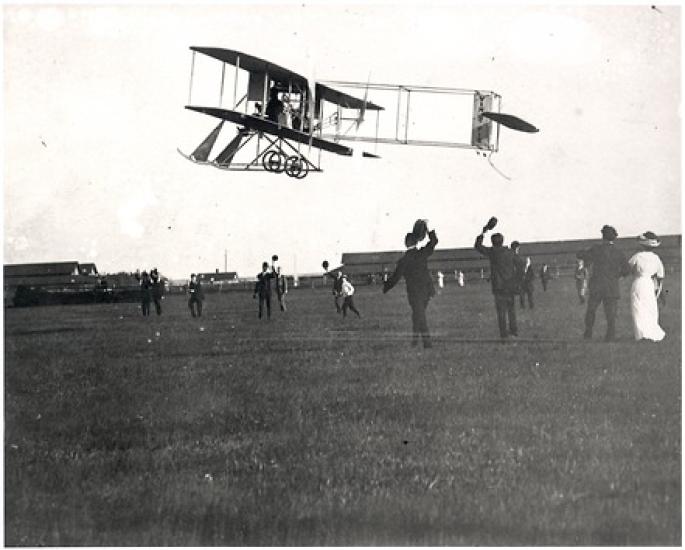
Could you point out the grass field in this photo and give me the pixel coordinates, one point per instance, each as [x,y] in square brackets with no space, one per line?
[314,430]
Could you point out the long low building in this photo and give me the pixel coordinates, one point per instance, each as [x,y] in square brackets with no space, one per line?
[560,256]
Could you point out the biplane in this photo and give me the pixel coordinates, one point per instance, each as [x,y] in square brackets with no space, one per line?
[287,116]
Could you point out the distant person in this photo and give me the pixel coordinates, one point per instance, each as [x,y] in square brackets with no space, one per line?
[348,292]
[145,292]
[581,277]
[460,278]
[274,108]
[157,290]
[515,248]
[262,289]
[441,280]
[337,277]
[545,276]
[281,282]
[196,296]
[648,274]
[527,284]
[413,266]
[505,269]
[608,265]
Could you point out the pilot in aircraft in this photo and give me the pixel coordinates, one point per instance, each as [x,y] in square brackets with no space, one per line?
[274,108]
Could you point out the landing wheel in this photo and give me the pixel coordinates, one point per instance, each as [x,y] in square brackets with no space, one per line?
[296,167]
[274,161]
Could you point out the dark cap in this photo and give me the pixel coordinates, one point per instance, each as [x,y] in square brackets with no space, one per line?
[515,245]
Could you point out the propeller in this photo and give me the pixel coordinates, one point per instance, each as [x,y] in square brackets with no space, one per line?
[362,111]
[511,121]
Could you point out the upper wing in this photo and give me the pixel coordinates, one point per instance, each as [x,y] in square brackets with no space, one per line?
[254,65]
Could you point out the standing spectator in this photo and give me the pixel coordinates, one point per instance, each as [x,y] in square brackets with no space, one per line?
[157,290]
[441,280]
[608,265]
[460,278]
[263,289]
[581,276]
[196,296]
[545,276]
[527,285]
[413,266]
[281,282]
[505,269]
[145,292]
[347,292]
[648,273]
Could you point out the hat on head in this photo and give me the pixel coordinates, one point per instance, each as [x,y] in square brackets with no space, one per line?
[410,240]
[649,240]
[515,245]
[609,233]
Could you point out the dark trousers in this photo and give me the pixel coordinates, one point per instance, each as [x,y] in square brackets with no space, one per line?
[504,303]
[265,298]
[336,299]
[544,284]
[194,304]
[348,303]
[529,293]
[158,305]
[419,324]
[580,288]
[610,307]
[145,306]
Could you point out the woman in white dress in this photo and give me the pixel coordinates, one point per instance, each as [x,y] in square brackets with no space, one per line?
[648,272]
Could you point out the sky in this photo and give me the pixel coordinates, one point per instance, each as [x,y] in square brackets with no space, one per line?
[94,98]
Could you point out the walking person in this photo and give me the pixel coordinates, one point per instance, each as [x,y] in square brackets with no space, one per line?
[337,277]
[581,276]
[648,274]
[262,289]
[413,266]
[527,284]
[157,290]
[505,270]
[196,296]
[347,292]
[608,265]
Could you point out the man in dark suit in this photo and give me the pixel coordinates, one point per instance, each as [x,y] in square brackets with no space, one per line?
[196,296]
[157,290]
[608,264]
[337,277]
[413,266]
[263,289]
[505,278]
